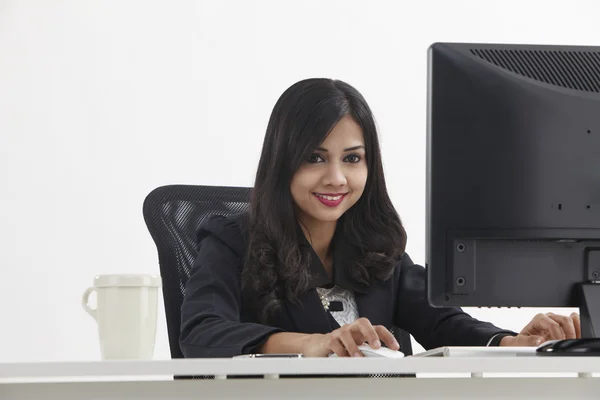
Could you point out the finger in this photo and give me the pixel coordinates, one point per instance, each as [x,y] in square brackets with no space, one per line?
[531,340]
[531,326]
[566,323]
[524,340]
[349,344]
[387,337]
[369,334]
[338,348]
[548,327]
[577,324]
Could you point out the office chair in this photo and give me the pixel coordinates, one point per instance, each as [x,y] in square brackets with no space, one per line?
[173,214]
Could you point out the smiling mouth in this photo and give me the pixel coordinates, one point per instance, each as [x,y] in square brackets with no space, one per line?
[330,197]
[330,200]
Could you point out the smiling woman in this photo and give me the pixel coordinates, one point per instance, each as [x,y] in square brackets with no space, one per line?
[322,141]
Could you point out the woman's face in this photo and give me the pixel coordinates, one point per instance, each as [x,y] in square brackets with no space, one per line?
[333,178]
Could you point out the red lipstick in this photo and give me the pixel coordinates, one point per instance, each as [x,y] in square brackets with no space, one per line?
[333,200]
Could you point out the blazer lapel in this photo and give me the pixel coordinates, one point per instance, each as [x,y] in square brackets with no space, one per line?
[309,316]
[376,305]
[373,302]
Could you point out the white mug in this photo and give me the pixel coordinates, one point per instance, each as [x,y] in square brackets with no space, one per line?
[126,314]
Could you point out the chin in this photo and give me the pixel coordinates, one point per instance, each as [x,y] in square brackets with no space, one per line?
[328,216]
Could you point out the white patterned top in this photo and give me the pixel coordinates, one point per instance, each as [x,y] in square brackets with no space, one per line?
[349,313]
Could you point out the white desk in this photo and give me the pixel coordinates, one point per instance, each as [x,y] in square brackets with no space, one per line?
[503,377]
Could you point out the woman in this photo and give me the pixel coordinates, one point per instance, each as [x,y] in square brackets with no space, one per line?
[318,265]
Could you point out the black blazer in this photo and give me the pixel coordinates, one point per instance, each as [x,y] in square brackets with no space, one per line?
[215,323]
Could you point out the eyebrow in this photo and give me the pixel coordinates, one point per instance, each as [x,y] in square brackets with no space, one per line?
[347,149]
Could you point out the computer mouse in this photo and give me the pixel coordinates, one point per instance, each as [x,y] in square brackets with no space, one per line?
[368,351]
[383,352]
[570,347]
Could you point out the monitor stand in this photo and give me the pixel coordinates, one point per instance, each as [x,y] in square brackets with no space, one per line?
[589,308]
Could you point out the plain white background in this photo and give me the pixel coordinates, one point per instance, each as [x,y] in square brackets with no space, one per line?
[102,101]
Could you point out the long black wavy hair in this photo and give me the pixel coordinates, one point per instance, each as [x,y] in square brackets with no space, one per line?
[276,267]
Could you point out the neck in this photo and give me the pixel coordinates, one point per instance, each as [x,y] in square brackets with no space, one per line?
[320,234]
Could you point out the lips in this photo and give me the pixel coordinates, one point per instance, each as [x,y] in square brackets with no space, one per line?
[330,199]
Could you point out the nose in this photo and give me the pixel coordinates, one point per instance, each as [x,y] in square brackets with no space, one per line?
[335,175]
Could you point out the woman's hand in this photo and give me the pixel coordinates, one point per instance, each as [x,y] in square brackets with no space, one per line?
[546,327]
[345,341]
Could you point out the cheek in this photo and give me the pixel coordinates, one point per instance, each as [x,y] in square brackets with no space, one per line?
[359,180]
[301,185]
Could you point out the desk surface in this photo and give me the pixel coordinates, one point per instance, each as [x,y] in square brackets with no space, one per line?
[152,380]
[306,366]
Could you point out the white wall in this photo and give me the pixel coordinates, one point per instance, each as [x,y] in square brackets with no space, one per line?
[102,101]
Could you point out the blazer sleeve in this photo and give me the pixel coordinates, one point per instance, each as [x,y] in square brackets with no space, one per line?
[210,314]
[433,326]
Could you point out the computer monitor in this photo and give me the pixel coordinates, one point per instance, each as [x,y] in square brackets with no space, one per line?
[513,177]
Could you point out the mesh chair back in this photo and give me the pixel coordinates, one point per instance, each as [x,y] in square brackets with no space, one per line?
[173,215]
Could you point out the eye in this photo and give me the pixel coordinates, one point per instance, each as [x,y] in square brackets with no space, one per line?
[353,158]
[315,158]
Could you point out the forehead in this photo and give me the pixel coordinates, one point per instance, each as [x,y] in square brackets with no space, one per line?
[346,133]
